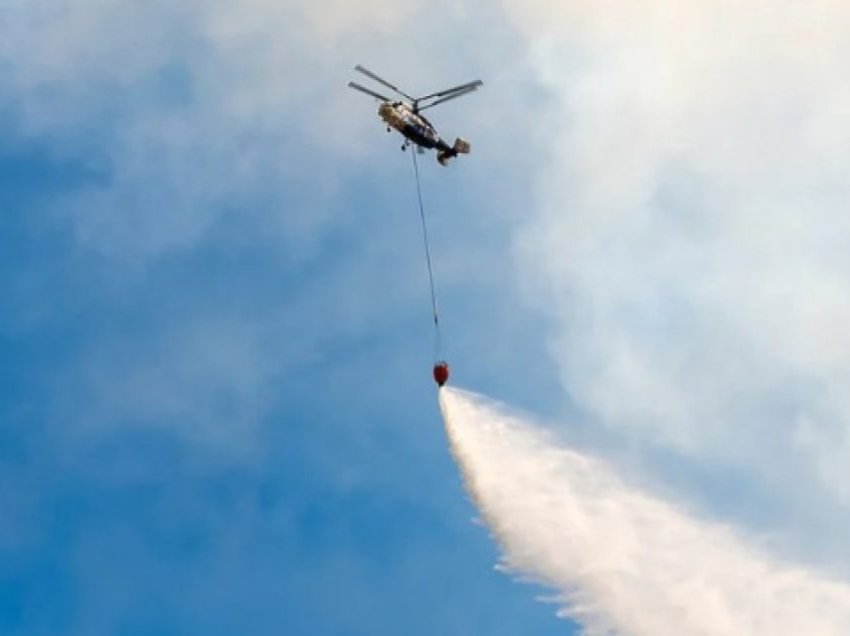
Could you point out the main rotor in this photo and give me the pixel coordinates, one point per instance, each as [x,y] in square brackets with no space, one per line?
[416,103]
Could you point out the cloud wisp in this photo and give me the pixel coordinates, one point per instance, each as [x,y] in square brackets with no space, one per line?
[688,245]
[624,561]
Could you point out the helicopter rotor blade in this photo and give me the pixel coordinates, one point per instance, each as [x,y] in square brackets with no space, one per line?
[363,89]
[381,80]
[464,88]
[466,91]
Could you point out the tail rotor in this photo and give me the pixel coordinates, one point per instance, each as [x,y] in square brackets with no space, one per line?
[461,147]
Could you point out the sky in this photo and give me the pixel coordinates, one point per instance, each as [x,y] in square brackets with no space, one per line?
[216,412]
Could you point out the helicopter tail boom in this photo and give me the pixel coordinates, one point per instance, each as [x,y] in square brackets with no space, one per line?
[447,153]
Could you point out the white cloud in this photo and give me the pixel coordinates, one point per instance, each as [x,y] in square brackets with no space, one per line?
[189,109]
[625,561]
[689,237]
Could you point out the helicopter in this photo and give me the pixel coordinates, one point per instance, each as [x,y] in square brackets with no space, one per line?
[405,116]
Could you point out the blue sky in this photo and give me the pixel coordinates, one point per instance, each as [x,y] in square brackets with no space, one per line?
[151,488]
[217,412]
[216,405]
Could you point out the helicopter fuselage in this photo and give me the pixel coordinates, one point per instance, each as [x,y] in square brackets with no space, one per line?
[412,126]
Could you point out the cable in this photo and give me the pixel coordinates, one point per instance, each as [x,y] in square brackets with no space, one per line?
[427,255]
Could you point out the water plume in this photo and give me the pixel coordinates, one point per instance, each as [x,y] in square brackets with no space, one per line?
[624,561]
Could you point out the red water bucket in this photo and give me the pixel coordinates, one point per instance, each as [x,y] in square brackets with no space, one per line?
[441,373]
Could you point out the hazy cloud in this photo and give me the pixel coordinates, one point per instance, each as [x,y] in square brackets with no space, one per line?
[688,239]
